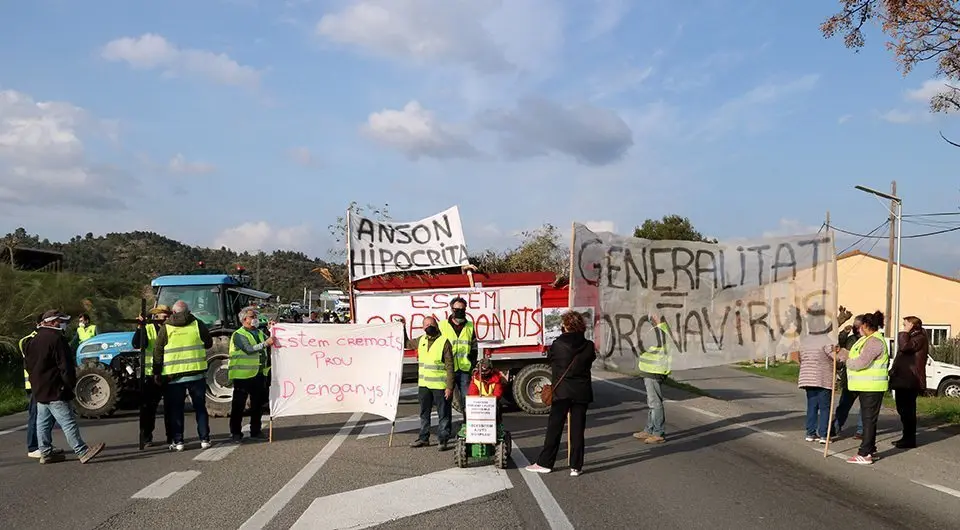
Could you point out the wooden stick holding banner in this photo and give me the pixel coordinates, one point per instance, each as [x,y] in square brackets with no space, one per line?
[393,427]
[350,294]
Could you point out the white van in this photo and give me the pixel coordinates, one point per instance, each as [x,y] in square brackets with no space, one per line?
[943,379]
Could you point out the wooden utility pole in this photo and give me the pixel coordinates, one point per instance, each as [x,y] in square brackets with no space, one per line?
[888,324]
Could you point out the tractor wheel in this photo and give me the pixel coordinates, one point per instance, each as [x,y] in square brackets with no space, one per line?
[460,453]
[219,386]
[502,455]
[527,386]
[97,391]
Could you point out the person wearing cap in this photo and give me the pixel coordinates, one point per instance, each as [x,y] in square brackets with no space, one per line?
[180,359]
[249,369]
[33,444]
[146,337]
[53,376]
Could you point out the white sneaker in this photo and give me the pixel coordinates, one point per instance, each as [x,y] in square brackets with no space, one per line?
[36,454]
[176,447]
[205,445]
[574,473]
[812,439]
[537,468]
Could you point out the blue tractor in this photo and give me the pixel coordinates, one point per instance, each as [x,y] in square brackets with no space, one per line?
[108,365]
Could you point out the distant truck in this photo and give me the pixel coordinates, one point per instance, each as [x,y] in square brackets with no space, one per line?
[516,316]
[107,364]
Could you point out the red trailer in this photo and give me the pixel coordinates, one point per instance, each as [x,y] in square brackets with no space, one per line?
[515,316]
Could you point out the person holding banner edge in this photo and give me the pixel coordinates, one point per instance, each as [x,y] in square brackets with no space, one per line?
[460,332]
[654,367]
[249,368]
[435,383]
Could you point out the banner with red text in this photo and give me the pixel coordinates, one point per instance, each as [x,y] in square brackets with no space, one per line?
[336,368]
[505,316]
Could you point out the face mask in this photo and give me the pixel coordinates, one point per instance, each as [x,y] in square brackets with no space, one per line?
[460,313]
[433,331]
[62,326]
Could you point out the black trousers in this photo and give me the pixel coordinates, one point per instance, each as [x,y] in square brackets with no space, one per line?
[256,388]
[870,403]
[907,409]
[152,394]
[578,425]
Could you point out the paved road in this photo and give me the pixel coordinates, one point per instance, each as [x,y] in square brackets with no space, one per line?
[722,468]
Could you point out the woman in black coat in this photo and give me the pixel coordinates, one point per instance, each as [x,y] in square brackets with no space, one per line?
[571,357]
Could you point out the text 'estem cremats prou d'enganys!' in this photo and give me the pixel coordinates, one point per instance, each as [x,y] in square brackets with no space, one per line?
[722,303]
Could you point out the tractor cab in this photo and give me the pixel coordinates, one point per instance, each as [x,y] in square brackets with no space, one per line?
[215,299]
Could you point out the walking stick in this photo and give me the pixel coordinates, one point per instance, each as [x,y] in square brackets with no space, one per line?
[833,395]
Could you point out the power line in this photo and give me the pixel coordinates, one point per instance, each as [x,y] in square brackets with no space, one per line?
[859,241]
[935,214]
[912,236]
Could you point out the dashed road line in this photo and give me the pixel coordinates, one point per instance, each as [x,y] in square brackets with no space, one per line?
[272,507]
[167,485]
[15,429]
[834,454]
[548,504]
[694,409]
[215,454]
[938,487]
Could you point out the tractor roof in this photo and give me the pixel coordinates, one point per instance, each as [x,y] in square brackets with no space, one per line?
[195,279]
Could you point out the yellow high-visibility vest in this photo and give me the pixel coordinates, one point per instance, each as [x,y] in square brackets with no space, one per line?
[184,352]
[460,344]
[23,353]
[242,365]
[873,378]
[656,359]
[432,372]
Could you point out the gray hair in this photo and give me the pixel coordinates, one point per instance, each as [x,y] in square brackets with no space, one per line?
[246,311]
[181,307]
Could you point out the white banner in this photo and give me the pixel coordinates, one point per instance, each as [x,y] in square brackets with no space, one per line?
[723,303]
[336,368]
[378,247]
[508,316]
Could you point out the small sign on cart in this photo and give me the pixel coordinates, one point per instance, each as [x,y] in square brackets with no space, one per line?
[481,417]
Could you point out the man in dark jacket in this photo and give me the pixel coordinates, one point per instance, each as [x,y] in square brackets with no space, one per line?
[146,337]
[53,376]
[179,362]
[847,338]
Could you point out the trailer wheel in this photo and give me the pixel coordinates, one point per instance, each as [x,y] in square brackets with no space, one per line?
[97,391]
[527,386]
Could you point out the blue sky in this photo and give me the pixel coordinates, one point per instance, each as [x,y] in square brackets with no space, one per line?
[253,123]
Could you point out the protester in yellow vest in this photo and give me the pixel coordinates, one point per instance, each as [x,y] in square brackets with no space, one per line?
[460,332]
[435,382]
[867,364]
[146,337]
[654,366]
[180,359]
[33,443]
[85,330]
[249,369]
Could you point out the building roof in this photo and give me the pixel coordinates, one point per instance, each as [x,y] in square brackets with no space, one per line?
[903,265]
[31,259]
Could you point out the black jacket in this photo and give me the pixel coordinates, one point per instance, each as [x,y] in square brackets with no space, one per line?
[178,320]
[51,365]
[572,350]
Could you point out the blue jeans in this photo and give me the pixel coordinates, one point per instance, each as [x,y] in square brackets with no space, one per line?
[61,412]
[32,442]
[175,398]
[656,417]
[818,411]
[428,398]
[847,399]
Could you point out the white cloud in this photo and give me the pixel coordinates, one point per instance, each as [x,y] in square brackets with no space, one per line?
[844,119]
[43,157]
[424,31]
[416,132]
[302,156]
[260,235]
[151,51]
[607,15]
[591,135]
[756,110]
[791,227]
[180,165]
[900,116]
[928,90]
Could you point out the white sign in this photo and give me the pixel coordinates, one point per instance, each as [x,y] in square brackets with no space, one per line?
[481,418]
[379,247]
[336,368]
[722,303]
[508,314]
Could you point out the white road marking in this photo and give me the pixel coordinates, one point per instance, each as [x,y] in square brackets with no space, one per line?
[693,409]
[268,511]
[834,454]
[167,486]
[548,504]
[215,453]
[410,423]
[15,429]
[938,487]
[406,392]
[375,505]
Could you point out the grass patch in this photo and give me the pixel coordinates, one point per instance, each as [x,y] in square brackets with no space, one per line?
[788,372]
[686,387]
[12,399]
